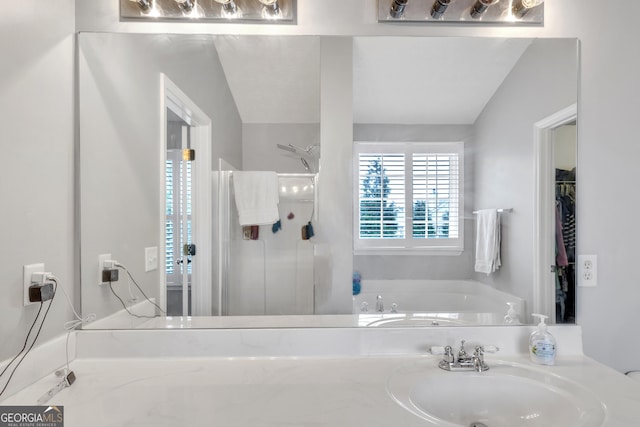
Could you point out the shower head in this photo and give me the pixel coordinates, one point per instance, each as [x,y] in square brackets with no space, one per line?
[289,148]
[309,151]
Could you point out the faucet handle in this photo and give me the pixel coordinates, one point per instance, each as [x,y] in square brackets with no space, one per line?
[488,348]
[446,351]
[437,350]
[364,307]
[394,308]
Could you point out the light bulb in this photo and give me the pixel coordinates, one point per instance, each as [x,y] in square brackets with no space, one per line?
[186,5]
[531,3]
[480,7]
[271,7]
[397,8]
[228,6]
[521,7]
[439,7]
[142,4]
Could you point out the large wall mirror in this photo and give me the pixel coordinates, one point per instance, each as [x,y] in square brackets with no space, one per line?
[167,220]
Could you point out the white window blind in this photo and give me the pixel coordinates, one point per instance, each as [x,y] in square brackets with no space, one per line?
[409,196]
[173,239]
[382,196]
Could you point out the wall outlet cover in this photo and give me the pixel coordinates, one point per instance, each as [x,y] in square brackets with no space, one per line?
[27,271]
[587,270]
[101,259]
[150,258]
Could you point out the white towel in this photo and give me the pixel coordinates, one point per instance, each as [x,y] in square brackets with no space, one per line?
[487,241]
[256,197]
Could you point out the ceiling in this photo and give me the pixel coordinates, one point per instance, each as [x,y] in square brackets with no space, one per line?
[397,80]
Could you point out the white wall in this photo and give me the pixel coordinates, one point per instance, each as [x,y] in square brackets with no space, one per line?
[260,151]
[609,90]
[37,177]
[565,147]
[334,264]
[504,152]
[120,138]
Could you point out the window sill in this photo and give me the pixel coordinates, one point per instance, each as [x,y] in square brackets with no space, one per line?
[409,251]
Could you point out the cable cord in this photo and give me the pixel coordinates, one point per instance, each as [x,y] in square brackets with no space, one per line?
[139,288]
[72,324]
[55,289]
[126,308]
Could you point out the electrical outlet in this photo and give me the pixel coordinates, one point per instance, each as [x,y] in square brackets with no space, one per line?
[587,270]
[150,258]
[101,259]
[27,271]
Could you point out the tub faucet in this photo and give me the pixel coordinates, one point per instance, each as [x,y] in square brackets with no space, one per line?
[379,304]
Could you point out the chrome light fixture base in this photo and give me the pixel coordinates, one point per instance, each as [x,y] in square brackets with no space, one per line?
[463,12]
[236,11]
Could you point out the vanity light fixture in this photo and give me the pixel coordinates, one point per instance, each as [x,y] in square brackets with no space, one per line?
[439,6]
[144,5]
[276,12]
[186,5]
[480,7]
[397,8]
[522,7]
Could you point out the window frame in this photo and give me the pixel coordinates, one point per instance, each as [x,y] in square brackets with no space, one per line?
[407,245]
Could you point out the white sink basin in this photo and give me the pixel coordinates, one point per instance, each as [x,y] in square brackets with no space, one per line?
[507,395]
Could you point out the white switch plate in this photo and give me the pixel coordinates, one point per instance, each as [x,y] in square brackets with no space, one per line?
[27,271]
[101,259]
[150,258]
[587,270]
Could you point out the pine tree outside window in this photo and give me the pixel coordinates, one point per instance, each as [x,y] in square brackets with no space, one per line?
[409,197]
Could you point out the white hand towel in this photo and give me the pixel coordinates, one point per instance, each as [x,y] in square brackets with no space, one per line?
[487,241]
[256,196]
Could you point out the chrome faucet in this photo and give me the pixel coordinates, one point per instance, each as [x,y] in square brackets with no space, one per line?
[464,360]
[379,304]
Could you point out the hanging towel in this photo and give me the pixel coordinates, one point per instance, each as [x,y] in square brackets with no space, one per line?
[487,241]
[256,197]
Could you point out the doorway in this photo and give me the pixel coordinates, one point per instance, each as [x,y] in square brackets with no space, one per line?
[186,284]
[555,153]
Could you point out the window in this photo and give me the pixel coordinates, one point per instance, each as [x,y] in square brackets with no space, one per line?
[409,197]
[174,241]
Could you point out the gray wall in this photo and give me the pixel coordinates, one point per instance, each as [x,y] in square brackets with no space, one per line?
[420,266]
[38,81]
[504,152]
[37,177]
[260,151]
[120,131]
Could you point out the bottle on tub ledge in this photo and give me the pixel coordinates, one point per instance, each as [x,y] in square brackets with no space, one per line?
[511,317]
[542,345]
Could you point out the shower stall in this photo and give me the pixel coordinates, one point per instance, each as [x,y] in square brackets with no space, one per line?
[269,271]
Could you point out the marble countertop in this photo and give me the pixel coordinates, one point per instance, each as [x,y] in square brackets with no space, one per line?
[276,391]
[282,377]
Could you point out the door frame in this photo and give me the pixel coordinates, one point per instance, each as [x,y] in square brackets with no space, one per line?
[544,224]
[172,97]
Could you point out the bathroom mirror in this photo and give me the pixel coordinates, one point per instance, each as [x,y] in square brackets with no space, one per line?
[253,103]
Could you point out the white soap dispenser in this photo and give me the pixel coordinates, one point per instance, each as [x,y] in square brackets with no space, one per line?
[542,345]
[512,317]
